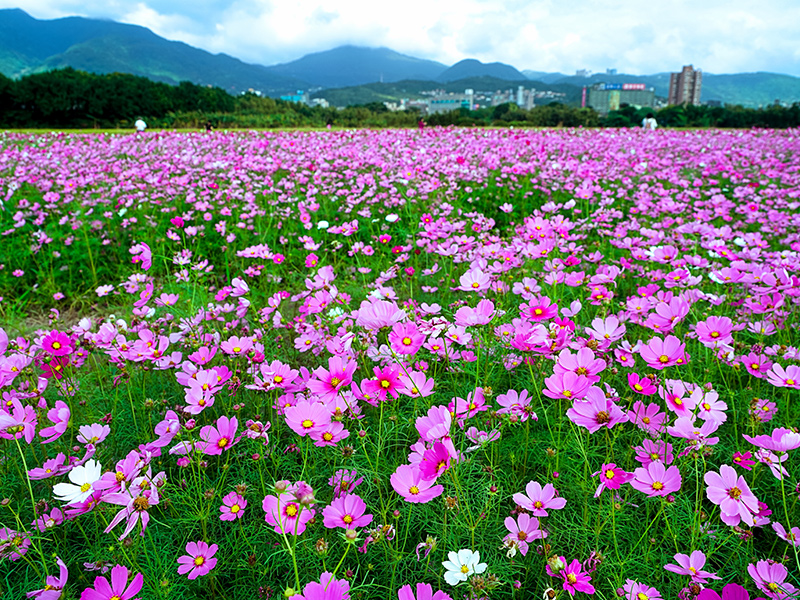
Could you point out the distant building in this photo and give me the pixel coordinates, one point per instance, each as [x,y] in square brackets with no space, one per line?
[605,97]
[583,73]
[441,103]
[300,97]
[684,87]
[611,71]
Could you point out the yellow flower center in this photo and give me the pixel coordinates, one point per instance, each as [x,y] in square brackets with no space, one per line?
[222,442]
[476,285]
[278,379]
[638,387]
[199,560]
[335,381]
[237,349]
[86,487]
[307,424]
[609,474]
[657,485]
[291,510]
[464,569]
[663,358]
[56,345]
[235,508]
[572,578]
[406,341]
[413,490]
[347,519]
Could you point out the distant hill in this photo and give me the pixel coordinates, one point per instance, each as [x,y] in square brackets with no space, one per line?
[475,68]
[353,65]
[29,45]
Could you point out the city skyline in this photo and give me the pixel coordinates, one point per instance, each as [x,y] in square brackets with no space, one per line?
[542,35]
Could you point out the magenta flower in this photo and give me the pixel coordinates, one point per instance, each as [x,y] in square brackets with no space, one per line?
[641,385]
[199,559]
[57,343]
[575,580]
[770,578]
[328,382]
[654,450]
[792,537]
[732,494]
[656,479]
[648,418]
[344,482]
[13,544]
[517,404]
[20,423]
[346,512]
[732,591]
[405,338]
[424,592]
[744,460]
[611,477]
[781,440]
[408,482]
[328,588]
[691,566]
[788,377]
[538,499]
[119,588]
[386,382]
[435,461]
[474,280]
[232,508]
[583,363]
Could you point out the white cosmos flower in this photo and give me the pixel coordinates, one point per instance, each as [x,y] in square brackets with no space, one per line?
[461,565]
[323,225]
[391,218]
[82,478]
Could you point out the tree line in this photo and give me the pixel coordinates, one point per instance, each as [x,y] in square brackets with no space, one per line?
[69,99]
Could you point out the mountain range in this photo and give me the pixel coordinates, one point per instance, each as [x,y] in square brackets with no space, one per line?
[29,45]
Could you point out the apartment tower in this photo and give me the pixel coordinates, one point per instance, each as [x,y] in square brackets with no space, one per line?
[684,87]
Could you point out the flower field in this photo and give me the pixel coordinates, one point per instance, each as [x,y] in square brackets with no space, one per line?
[413,364]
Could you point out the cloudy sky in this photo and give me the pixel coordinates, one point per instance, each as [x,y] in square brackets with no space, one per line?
[719,36]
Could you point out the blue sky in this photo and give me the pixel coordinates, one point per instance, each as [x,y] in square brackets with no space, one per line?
[543,35]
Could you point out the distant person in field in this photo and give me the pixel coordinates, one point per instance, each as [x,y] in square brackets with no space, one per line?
[649,122]
[140,125]
[209,126]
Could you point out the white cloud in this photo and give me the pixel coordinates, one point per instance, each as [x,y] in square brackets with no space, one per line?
[548,35]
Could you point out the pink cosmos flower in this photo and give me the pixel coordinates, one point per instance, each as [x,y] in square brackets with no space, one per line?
[792,537]
[286,514]
[57,343]
[540,308]
[523,531]
[19,423]
[328,588]
[482,314]
[424,592]
[606,331]
[416,384]
[732,591]
[633,590]
[659,354]
[691,566]
[198,560]
[641,385]
[611,477]
[236,346]
[654,450]
[566,385]
[59,416]
[344,482]
[517,404]
[346,512]
[780,440]
[435,461]
[575,580]
[142,255]
[408,482]
[756,364]
[732,494]
[232,508]
[474,280]
[329,435]
[780,377]
[119,588]
[744,460]
[305,417]
[219,437]
[328,382]
[54,585]
[582,363]
[13,544]
[538,499]
[405,338]
[770,578]
[93,434]
[386,382]
[649,418]
[656,479]
[596,411]
[435,425]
